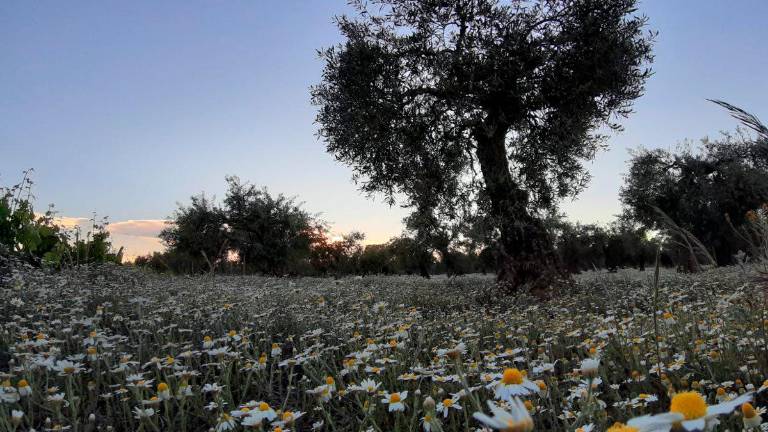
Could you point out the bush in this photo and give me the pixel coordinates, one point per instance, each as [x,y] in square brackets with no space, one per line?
[39,240]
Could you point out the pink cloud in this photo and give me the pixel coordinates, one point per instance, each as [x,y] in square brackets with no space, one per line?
[69,222]
[136,237]
[138,228]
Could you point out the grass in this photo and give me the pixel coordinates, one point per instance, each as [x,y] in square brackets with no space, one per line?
[116,347]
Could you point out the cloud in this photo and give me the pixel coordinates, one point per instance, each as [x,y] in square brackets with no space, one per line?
[137,228]
[70,222]
[135,236]
[134,246]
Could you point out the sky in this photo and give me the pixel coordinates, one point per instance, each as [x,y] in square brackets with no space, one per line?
[128,108]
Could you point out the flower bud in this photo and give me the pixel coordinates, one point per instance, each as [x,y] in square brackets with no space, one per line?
[429,403]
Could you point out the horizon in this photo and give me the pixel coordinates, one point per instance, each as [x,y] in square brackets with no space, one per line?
[100,107]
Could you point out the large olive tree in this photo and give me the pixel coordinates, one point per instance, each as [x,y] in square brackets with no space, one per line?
[500,101]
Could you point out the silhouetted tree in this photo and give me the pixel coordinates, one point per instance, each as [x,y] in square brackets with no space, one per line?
[424,95]
[337,257]
[377,259]
[269,234]
[197,232]
[699,188]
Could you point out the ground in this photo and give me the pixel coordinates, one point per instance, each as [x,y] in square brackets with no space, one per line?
[120,347]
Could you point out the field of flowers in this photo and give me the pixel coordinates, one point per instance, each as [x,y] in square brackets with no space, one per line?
[118,349]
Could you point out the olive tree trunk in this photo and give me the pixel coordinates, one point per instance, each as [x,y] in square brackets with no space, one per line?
[526,256]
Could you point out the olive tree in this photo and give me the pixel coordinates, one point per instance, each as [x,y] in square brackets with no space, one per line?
[498,102]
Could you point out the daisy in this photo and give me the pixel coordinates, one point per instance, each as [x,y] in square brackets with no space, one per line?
[24,388]
[589,367]
[66,367]
[8,394]
[264,411]
[276,350]
[517,419]
[643,399]
[428,422]
[226,422]
[763,387]
[57,398]
[374,369]
[212,388]
[752,417]
[448,404]
[322,392]
[288,418]
[514,383]
[691,411]
[207,343]
[453,353]
[153,401]
[367,385]
[143,413]
[243,411]
[395,401]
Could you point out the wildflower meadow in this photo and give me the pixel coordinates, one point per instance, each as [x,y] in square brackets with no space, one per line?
[117,348]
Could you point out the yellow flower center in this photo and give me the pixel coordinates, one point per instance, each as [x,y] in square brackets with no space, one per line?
[232,333]
[720,391]
[275,346]
[448,403]
[748,410]
[667,315]
[287,416]
[690,404]
[329,380]
[519,426]
[23,383]
[162,387]
[643,395]
[394,398]
[40,336]
[427,418]
[263,406]
[91,350]
[512,376]
[528,405]
[542,385]
[69,369]
[207,339]
[245,409]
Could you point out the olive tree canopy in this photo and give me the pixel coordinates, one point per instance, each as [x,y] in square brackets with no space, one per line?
[496,101]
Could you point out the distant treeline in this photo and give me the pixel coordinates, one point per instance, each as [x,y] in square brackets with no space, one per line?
[698,205]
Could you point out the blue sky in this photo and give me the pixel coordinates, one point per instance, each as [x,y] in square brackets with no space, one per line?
[125,108]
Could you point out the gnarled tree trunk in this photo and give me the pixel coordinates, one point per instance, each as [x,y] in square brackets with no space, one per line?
[526,254]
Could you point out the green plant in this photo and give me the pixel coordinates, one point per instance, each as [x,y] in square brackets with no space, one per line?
[39,239]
